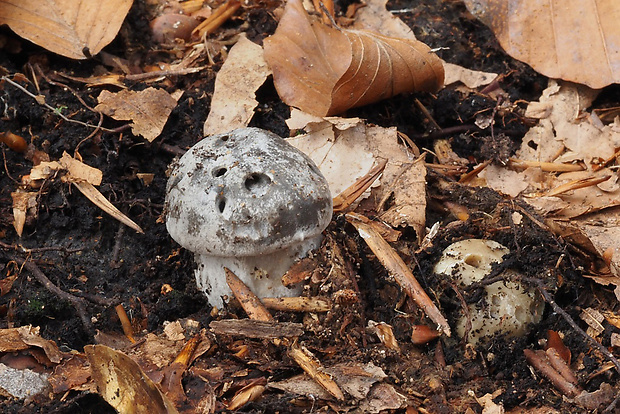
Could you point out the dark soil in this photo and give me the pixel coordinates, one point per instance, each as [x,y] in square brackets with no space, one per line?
[89,254]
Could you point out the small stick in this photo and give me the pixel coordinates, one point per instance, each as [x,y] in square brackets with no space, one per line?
[298,304]
[55,110]
[546,166]
[219,16]
[250,303]
[23,249]
[397,268]
[125,322]
[163,73]
[538,359]
[574,185]
[78,303]
[556,361]
[312,366]
[343,200]
[466,177]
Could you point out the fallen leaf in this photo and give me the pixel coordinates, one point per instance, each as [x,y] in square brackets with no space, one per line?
[382,398]
[72,374]
[376,18]
[233,102]
[356,379]
[470,78]
[76,29]
[345,149]
[567,39]
[323,70]
[80,171]
[148,109]
[123,384]
[30,335]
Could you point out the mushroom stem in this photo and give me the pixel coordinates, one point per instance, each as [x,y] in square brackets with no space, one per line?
[262,274]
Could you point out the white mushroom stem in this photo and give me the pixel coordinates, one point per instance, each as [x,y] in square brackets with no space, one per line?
[262,273]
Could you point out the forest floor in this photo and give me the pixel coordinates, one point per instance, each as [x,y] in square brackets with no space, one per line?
[92,257]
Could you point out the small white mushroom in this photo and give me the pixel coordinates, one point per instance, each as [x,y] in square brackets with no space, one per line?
[508,307]
[249,201]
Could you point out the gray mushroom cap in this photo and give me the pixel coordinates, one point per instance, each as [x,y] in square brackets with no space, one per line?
[245,193]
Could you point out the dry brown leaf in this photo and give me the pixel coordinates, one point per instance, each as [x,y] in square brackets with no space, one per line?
[323,70]
[73,28]
[148,109]
[233,102]
[345,149]
[123,384]
[80,171]
[573,40]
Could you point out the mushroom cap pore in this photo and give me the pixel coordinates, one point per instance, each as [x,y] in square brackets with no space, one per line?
[245,193]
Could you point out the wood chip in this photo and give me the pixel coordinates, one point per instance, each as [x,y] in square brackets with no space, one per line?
[257,329]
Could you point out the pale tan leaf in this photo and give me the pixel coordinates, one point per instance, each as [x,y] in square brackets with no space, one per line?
[233,102]
[123,384]
[573,40]
[73,28]
[345,149]
[470,78]
[80,171]
[324,71]
[22,203]
[148,109]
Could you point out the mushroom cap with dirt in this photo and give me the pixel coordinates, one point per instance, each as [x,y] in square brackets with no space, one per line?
[249,201]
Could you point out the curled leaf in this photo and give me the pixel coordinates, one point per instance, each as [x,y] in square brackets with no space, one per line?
[324,71]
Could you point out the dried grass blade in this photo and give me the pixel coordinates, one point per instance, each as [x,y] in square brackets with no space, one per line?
[401,273]
[574,185]
[100,201]
[355,190]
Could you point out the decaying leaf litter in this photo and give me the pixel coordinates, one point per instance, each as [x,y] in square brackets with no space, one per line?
[357,341]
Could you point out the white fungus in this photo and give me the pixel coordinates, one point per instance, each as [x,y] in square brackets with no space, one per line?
[249,201]
[508,307]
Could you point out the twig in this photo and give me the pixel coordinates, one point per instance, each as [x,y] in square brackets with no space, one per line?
[78,303]
[23,249]
[163,73]
[171,149]
[51,108]
[116,251]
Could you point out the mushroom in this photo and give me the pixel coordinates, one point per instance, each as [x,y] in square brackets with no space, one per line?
[248,201]
[507,306]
